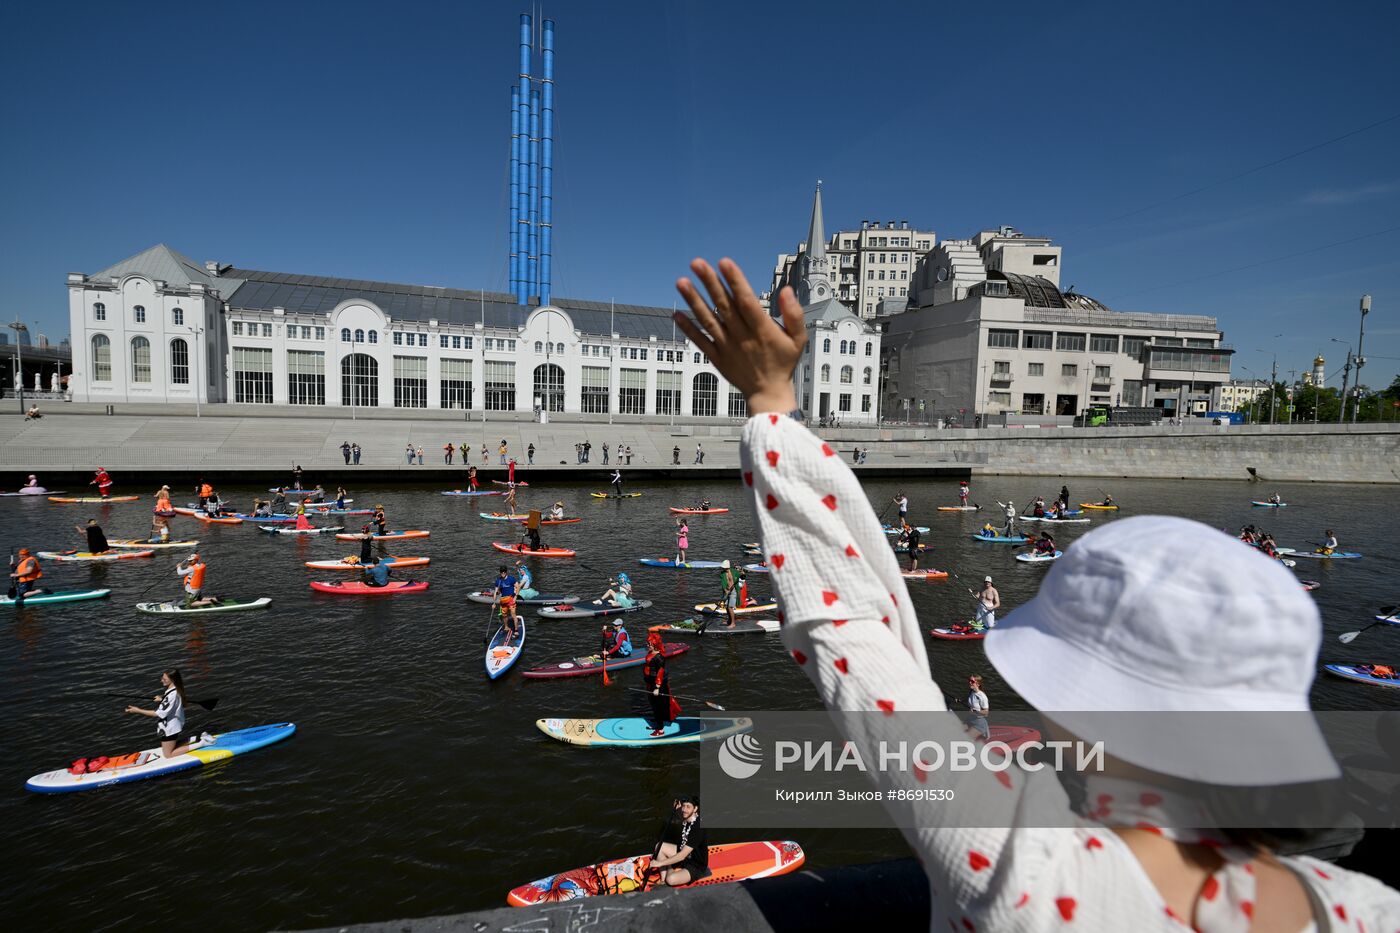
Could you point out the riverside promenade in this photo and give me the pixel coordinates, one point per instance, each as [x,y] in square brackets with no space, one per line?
[234,442]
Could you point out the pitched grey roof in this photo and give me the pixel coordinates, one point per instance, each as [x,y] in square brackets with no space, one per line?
[830,310]
[163,263]
[315,294]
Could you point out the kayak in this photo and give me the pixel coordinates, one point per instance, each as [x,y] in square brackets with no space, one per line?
[1314,555]
[604,495]
[924,574]
[633,731]
[959,508]
[732,861]
[486,596]
[717,627]
[149,763]
[61,596]
[219,605]
[1055,521]
[386,536]
[1354,672]
[93,499]
[896,529]
[88,555]
[1269,505]
[698,511]
[356,588]
[684,565]
[715,609]
[542,552]
[472,492]
[591,609]
[959,632]
[998,539]
[353,563]
[1310,584]
[1095,505]
[593,664]
[1039,558]
[500,657]
[155,545]
[301,531]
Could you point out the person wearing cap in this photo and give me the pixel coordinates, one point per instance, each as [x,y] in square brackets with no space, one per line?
[619,592]
[663,708]
[978,706]
[504,592]
[963,493]
[94,535]
[1108,631]
[1009,509]
[616,643]
[687,859]
[103,481]
[526,588]
[730,581]
[192,569]
[163,500]
[988,602]
[25,577]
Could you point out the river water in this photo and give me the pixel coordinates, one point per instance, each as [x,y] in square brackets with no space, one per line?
[415,786]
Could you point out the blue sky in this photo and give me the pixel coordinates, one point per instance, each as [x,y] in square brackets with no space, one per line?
[371,140]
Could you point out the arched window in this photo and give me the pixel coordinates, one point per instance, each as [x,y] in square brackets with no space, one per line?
[101,358]
[140,359]
[345,335]
[549,386]
[826,371]
[359,336]
[177,317]
[704,395]
[559,348]
[865,376]
[539,346]
[99,311]
[374,336]
[696,358]
[359,380]
[139,312]
[847,374]
[869,348]
[826,345]
[179,361]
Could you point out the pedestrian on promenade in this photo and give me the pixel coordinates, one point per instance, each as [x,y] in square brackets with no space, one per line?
[420,454]
[408,452]
[578,453]
[447,450]
[699,453]
[530,454]
[676,455]
[465,451]
[864,453]
[1143,853]
[355,453]
[855,455]
[503,450]
[587,451]
[605,453]
[484,458]
[629,454]
[345,449]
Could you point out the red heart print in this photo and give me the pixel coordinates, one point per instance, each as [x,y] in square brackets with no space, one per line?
[772,458]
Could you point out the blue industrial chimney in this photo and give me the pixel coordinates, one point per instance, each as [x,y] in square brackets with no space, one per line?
[514,187]
[531,186]
[521,165]
[547,163]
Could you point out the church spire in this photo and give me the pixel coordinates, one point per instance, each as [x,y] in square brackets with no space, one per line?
[814,285]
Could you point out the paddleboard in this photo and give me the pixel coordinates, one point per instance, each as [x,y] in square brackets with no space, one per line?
[66,556]
[262,519]
[310,510]
[291,492]
[756,568]
[904,549]
[590,609]
[386,536]
[959,632]
[222,605]
[217,520]
[521,548]
[1335,555]
[60,596]
[1270,505]
[156,545]
[1310,584]
[485,596]
[301,531]
[1055,521]
[896,529]
[93,499]
[1354,672]
[670,564]
[502,482]
[715,609]
[1019,539]
[150,764]
[734,861]
[40,491]
[472,492]
[500,657]
[924,574]
[717,627]
[356,588]
[349,563]
[593,664]
[1095,505]
[625,495]
[1389,620]
[698,511]
[634,731]
[1039,558]
[959,508]
[503,517]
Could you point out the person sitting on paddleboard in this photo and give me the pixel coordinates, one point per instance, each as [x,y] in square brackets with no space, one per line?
[379,520]
[978,707]
[318,495]
[160,530]
[1039,510]
[96,537]
[963,493]
[1329,543]
[262,508]
[622,595]
[1276,499]
[687,859]
[1382,671]
[556,511]
[1045,544]
[616,643]
[704,505]
[988,531]
[170,715]
[526,588]
[506,586]
[192,569]
[279,502]
[366,546]
[617,483]
[26,576]
[377,573]
[658,685]
[912,537]
[1107,500]
[988,602]
[682,539]
[302,523]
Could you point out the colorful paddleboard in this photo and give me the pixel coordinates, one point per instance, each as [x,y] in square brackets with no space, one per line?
[669,564]
[1039,558]
[58,596]
[904,549]
[93,499]
[31,492]
[150,763]
[1270,505]
[625,495]
[500,657]
[264,519]
[67,556]
[698,511]
[1310,584]
[522,548]
[1055,521]
[356,588]
[998,539]
[959,632]
[714,626]
[353,563]
[959,508]
[753,608]
[924,574]
[1335,555]
[156,545]
[472,492]
[591,609]
[503,482]
[593,664]
[387,536]
[896,529]
[487,596]
[301,531]
[1358,672]
[219,605]
[634,731]
[735,861]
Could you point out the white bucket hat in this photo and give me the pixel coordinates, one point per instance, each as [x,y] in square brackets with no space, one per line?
[1164,615]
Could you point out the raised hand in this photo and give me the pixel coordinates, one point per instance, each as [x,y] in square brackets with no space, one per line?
[753,352]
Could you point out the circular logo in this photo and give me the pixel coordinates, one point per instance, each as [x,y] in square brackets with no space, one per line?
[740,756]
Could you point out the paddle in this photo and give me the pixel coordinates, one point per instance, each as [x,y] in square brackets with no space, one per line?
[1347,638]
[14,587]
[491,617]
[682,696]
[202,704]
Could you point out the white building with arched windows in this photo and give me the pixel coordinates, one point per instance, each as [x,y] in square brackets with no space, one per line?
[157,327]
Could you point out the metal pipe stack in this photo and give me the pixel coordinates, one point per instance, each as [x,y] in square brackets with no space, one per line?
[532,169]
[514,183]
[547,164]
[521,167]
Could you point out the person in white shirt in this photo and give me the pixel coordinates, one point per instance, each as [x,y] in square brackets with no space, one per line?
[1145,863]
[170,715]
[1010,509]
[978,706]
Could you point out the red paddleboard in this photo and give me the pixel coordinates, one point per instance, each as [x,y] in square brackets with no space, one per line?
[924,574]
[354,563]
[524,549]
[698,511]
[593,664]
[960,632]
[392,535]
[356,588]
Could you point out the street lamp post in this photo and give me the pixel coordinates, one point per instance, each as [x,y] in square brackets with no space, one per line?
[1360,360]
[1346,376]
[196,350]
[19,328]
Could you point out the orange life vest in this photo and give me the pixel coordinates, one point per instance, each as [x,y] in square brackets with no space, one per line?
[196,578]
[28,570]
[206,490]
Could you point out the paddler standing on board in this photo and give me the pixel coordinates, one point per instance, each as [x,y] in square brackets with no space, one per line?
[663,706]
[379,520]
[510,500]
[1009,508]
[912,538]
[617,484]
[505,595]
[366,538]
[471,475]
[988,602]
[962,493]
[302,524]
[192,569]
[26,576]
[103,481]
